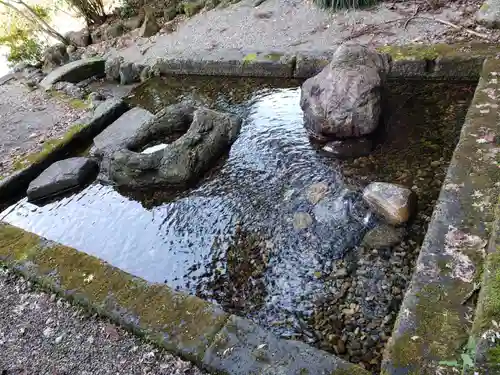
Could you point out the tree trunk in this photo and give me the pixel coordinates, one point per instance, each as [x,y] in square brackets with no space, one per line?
[35,19]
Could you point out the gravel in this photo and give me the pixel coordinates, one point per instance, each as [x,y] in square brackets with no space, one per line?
[298,25]
[41,334]
[28,118]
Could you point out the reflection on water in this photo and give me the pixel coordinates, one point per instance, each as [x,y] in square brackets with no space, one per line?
[251,223]
[262,185]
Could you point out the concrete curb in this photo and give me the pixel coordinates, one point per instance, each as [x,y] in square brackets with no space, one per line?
[461,61]
[195,329]
[81,132]
[432,328]
[486,328]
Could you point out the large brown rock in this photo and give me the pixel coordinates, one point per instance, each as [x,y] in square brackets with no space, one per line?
[79,38]
[54,56]
[149,26]
[345,98]
[395,203]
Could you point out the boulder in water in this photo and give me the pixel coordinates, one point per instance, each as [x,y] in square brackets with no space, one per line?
[345,98]
[395,203]
[207,136]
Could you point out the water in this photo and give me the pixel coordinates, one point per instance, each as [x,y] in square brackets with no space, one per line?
[251,235]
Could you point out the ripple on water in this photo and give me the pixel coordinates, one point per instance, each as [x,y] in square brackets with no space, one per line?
[249,235]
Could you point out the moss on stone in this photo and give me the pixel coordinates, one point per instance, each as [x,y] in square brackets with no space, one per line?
[440,332]
[493,355]
[192,7]
[353,370]
[73,102]
[416,52]
[180,322]
[489,303]
[249,58]
[48,147]
[274,56]
[433,51]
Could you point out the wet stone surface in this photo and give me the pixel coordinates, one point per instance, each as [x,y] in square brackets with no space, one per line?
[274,232]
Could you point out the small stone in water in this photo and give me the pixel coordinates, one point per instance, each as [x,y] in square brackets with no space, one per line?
[301,220]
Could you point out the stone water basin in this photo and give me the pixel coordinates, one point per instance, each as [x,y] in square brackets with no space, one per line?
[274,231]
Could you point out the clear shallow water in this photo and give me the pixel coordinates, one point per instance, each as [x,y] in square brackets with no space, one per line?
[262,184]
[248,235]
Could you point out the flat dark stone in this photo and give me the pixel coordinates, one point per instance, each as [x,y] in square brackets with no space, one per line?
[119,133]
[61,177]
[243,347]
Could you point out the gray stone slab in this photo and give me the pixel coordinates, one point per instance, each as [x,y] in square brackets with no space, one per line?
[62,176]
[243,348]
[254,64]
[74,72]
[119,133]
[90,125]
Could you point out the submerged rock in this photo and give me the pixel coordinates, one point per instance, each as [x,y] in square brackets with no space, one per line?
[382,236]
[302,220]
[349,148]
[345,98]
[208,134]
[61,177]
[395,203]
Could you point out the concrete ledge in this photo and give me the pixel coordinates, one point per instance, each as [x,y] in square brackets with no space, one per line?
[433,325]
[255,64]
[81,132]
[186,325]
[486,327]
[439,61]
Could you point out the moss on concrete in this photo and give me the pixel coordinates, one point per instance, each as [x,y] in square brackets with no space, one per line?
[273,56]
[249,58]
[181,323]
[354,370]
[433,51]
[48,147]
[192,7]
[439,330]
[489,304]
[73,102]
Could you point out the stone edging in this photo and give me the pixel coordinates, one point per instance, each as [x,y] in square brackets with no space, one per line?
[440,61]
[81,132]
[195,329]
[433,325]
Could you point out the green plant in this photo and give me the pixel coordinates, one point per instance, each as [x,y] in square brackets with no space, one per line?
[466,361]
[345,4]
[21,37]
